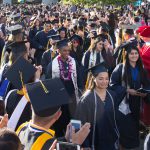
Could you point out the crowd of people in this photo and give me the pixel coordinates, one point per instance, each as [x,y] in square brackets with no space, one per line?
[64,62]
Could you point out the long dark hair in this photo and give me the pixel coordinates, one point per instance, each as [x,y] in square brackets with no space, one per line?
[127,73]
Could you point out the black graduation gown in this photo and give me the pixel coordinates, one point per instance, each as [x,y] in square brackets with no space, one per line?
[107,57]
[147,142]
[52,32]
[67,110]
[46,59]
[40,42]
[12,102]
[129,131]
[32,33]
[105,130]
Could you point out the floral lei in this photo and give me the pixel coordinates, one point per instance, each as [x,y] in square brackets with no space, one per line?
[62,69]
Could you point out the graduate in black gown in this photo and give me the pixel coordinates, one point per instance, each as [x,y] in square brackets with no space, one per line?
[97,106]
[51,53]
[76,48]
[16,104]
[128,77]
[95,55]
[40,42]
[65,67]
[35,28]
[55,26]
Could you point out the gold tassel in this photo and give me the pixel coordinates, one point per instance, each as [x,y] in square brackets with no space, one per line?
[123,55]
[44,88]
[88,80]
[23,91]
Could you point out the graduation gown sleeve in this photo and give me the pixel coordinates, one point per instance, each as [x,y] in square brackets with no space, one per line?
[46,59]
[49,71]
[116,82]
[84,112]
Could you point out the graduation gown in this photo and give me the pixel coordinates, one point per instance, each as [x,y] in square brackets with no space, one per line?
[35,137]
[67,110]
[147,142]
[46,59]
[105,133]
[40,42]
[12,102]
[128,124]
[32,33]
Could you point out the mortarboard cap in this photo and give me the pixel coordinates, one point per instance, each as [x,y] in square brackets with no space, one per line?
[18,47]
[101,67]
[146,32]
[125,26]
[129,48]
[62,43]
[14,30]
[47,96]
[20,73]
[55,37]
[104,27]
[76,37]
[47,22]
[62,29]
[55,21]
[92,34]
[16,17]
[128,31]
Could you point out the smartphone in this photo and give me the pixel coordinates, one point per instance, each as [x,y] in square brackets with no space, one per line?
[67,146]
[76,124]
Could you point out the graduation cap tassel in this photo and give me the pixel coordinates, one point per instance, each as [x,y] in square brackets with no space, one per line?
[23,87]
[44,88]
[123,55]
[88,80]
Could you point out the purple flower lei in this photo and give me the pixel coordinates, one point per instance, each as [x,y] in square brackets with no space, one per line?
[62,69]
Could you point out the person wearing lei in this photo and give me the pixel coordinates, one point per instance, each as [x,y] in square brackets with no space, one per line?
[65,68]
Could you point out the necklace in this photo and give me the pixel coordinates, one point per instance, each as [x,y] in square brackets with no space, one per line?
[65,73]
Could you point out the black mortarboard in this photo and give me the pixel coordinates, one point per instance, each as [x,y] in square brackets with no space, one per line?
[47,96]
[55,37]
[127,46]
[104,27]
[18,47]
[101,67]
[16,29]
[47,22]
[62,43]
[62,29]
[129,31]
[55,21]
[16,17]
[20,73]
[92,34]
[77,38]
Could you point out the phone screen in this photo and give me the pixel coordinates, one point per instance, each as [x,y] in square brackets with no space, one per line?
[77,126]
[67,146]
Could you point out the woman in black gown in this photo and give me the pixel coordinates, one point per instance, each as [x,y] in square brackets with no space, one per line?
[97,106]
[128,77]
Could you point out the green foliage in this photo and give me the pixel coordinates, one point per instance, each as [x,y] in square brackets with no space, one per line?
[104,2]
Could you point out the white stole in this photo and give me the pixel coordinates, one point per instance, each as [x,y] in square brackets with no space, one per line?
[56,73]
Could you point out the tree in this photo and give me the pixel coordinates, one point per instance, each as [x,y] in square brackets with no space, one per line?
[105,2]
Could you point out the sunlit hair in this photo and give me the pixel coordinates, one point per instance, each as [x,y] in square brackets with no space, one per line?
[94,44]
